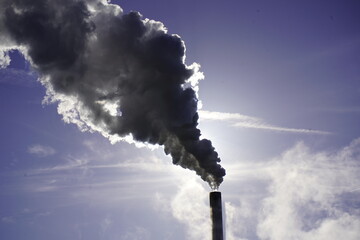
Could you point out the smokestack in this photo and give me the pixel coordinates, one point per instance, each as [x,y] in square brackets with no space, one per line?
[216,215]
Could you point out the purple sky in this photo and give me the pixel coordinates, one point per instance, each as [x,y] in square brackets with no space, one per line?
[280,102]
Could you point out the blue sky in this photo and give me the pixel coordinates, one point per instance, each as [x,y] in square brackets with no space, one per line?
[280,103]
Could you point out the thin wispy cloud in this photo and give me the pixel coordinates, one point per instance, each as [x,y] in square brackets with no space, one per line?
[18,77]
[342,110]
[244,121]
[137,233]
[138,171]
[151,164]
[7,219]
[41,150]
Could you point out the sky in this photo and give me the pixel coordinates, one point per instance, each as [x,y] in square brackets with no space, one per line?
[278,84]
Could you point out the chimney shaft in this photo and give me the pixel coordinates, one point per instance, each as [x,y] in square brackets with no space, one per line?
[216,215]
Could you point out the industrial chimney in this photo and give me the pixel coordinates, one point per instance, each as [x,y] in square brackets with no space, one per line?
[216,215]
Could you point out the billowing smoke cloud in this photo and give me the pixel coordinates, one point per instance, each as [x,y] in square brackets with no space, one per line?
[114,73]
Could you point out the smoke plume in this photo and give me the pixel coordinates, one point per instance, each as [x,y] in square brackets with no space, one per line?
[113,72]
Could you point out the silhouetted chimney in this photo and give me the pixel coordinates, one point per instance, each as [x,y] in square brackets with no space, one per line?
[216,215]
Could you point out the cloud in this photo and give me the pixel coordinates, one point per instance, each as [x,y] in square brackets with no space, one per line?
[190,207]
[312,195]
[138,233]
[342,110]
[135,175]
[41,150]
[299,195]
[8,219]
[71,163]
[148,164]
[105,227]
[17,77]
[244,121]
[4,59]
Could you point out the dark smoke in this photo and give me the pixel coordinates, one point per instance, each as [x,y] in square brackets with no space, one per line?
[114,73]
